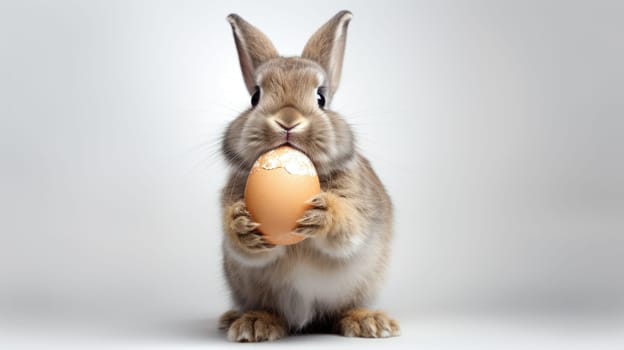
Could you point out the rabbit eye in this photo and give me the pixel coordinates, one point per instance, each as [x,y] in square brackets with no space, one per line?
[255,97]
[320,98]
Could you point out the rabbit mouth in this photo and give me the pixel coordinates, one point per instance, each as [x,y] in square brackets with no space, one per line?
[289,143]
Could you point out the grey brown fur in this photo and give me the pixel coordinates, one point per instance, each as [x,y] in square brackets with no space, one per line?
[324,282]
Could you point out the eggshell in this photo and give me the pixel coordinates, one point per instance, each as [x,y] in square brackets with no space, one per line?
[278,187]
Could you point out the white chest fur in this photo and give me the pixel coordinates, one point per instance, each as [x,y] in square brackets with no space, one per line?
[312,287]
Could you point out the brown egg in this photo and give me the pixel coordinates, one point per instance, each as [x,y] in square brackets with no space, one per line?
[278,187]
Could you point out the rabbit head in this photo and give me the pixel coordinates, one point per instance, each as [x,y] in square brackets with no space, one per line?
[290,98]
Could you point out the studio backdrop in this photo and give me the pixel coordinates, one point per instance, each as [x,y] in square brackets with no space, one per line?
[495,126]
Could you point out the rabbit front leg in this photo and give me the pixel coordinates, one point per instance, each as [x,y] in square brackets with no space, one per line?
[246,244]
[334,224]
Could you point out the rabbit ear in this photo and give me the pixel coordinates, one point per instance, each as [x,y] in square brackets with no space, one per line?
[327,47]
[253,48]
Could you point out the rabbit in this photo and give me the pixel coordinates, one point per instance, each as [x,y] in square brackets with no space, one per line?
[323,283]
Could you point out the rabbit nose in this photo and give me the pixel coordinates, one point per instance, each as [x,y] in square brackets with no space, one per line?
[286,127]
[288,118]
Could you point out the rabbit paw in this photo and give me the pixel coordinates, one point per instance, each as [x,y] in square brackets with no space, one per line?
[253,326]
[368,324]
[316,220]
[226,320]
[244,231]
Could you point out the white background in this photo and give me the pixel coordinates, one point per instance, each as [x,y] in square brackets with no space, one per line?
[497,128]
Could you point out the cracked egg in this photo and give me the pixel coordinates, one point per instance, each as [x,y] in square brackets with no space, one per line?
[280,183]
